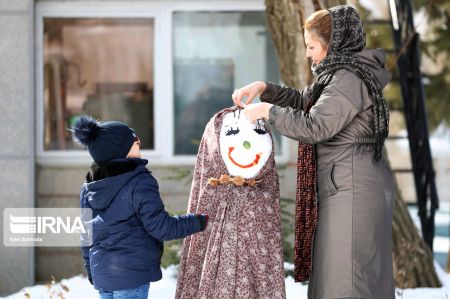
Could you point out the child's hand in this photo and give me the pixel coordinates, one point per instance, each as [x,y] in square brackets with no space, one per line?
[203,218]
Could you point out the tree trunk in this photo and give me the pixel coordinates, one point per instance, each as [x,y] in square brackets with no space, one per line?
[447,268]
[285,19]
[413,260]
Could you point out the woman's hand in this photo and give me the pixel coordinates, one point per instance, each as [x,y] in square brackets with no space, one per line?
[250,91]
[257,111]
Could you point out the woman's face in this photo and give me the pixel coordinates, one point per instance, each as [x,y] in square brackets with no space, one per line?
[314,48]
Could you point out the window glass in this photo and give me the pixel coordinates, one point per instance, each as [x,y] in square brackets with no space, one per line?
[214,53]
[97,66]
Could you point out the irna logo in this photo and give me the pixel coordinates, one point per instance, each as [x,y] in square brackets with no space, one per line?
[46,227]
[45,224]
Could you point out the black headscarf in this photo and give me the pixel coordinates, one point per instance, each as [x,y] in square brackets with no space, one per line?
[347,38]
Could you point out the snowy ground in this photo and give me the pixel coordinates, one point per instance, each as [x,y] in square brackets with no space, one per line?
[79,287]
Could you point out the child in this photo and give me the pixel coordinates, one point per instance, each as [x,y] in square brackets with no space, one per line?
[129,221]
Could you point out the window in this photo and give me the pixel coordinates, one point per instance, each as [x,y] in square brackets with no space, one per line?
[165,68]
[213,53]
[97,66]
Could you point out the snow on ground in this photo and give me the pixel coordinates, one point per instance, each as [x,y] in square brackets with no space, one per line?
[80,288]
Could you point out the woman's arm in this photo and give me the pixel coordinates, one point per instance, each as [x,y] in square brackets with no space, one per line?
[286,96]
[272,93]
[332,112]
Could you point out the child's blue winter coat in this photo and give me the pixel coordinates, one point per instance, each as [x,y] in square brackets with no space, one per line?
[129,225]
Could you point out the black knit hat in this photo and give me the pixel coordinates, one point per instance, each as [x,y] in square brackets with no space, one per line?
[104,140]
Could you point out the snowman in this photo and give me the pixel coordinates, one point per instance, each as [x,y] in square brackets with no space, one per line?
[245,146]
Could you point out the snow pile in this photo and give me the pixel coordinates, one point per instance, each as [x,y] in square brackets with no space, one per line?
[80,288]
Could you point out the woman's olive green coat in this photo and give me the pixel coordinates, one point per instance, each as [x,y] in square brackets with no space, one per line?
[352,246]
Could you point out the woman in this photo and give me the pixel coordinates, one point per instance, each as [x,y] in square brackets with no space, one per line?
[345,116]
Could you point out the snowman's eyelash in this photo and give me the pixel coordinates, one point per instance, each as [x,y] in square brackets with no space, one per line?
[260,131]
[258,128]
[232,132]
[239,114]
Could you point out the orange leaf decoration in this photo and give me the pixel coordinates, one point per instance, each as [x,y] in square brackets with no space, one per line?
[224,178]
[251,182]
[213,182]
[238,180]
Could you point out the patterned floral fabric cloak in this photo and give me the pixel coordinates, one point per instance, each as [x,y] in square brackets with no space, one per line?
[239,255]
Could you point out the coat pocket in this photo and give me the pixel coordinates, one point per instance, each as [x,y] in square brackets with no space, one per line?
[327,187]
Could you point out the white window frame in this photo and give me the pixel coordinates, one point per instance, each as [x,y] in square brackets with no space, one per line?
[162,14]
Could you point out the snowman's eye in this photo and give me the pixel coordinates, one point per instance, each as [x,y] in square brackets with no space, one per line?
[232,132]
[260,131]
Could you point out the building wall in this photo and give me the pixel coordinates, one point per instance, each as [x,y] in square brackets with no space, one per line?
[16,133]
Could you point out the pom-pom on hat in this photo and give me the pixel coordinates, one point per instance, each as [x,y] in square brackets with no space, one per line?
[104,140]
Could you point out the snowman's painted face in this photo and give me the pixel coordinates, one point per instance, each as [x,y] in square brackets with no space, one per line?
[245,147]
